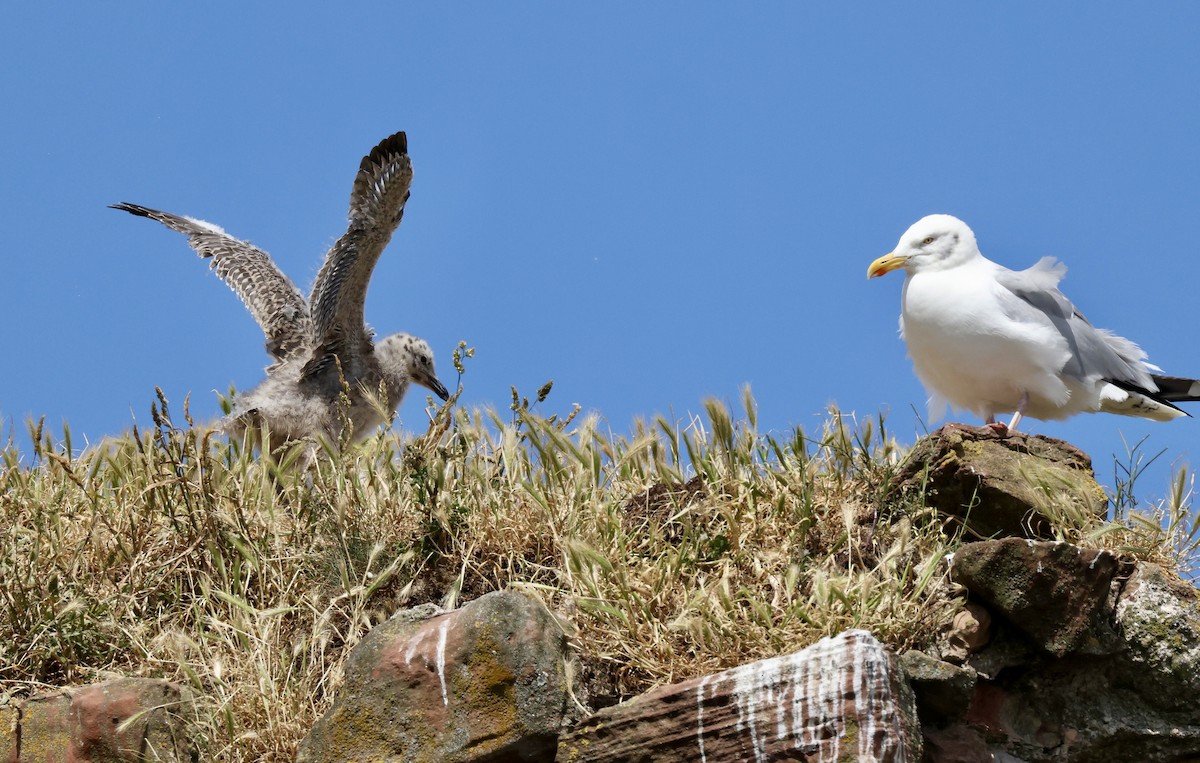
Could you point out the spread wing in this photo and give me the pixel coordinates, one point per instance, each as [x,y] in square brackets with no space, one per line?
[274,301]
[376,207]
[1095,353]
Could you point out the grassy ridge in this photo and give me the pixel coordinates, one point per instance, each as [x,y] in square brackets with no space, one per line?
[677,550]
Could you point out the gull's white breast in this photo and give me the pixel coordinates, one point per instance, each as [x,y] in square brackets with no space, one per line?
[976,346]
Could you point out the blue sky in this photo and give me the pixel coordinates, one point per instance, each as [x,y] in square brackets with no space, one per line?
[650,204]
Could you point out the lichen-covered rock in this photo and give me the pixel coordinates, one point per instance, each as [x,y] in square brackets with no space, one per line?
[1055,593]
[130,720]
[1000,484]
[841,699]
[1160,620]
[44,731]
[487,682]
[10,721]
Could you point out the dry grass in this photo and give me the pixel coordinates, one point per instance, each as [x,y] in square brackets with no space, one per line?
[669,553]
[1166,534]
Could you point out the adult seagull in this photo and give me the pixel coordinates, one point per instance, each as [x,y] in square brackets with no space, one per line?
[991,340]
[328,377]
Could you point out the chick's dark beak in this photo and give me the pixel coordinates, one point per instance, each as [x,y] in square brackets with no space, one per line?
[435,386]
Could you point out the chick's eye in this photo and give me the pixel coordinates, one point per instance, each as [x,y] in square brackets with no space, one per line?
[424,360]
[928,240]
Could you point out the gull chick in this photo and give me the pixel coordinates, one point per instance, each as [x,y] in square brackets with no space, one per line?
[328,377]
[990,340]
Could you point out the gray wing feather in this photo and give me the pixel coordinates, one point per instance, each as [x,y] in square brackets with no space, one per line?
[1094,352]
[270,296]
[377,201]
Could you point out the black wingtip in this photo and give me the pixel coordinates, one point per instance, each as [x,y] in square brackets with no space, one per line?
[393,145]
[132,209]
[1177,388]
[396,143]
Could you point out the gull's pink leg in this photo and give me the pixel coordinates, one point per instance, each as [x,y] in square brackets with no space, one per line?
[1021,406]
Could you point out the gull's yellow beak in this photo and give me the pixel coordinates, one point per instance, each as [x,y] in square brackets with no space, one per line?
[886,264]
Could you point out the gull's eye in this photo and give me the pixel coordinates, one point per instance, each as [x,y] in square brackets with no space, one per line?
[424,360]
[928,240]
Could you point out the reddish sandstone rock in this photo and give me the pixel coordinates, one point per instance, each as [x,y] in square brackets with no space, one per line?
[128,720]
[486,682]
[841,699]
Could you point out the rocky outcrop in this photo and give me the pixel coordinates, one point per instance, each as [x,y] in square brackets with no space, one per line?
[129,720]
[1060,653]
[840,699]
[487,682]
[1086,659]
[1000,484]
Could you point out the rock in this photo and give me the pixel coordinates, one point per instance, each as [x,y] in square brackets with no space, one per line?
[487,682]
[943,691]
[999,485]
[956,744]
[1078,708]
[10,722]
[44,732]
[1055,593]
[1160,619]
[841,699]
[969,632]
[130,719]
[1007,648]
[1089,691]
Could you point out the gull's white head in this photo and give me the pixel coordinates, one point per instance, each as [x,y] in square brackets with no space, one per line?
[934,242]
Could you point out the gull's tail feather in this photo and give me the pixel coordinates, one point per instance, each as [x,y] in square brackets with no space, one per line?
[1129,399]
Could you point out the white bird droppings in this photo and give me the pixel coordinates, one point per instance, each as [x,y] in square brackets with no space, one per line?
[838,688]
[443,629]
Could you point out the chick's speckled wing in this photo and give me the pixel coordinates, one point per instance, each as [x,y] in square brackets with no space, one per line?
[377,201]
[270,296]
